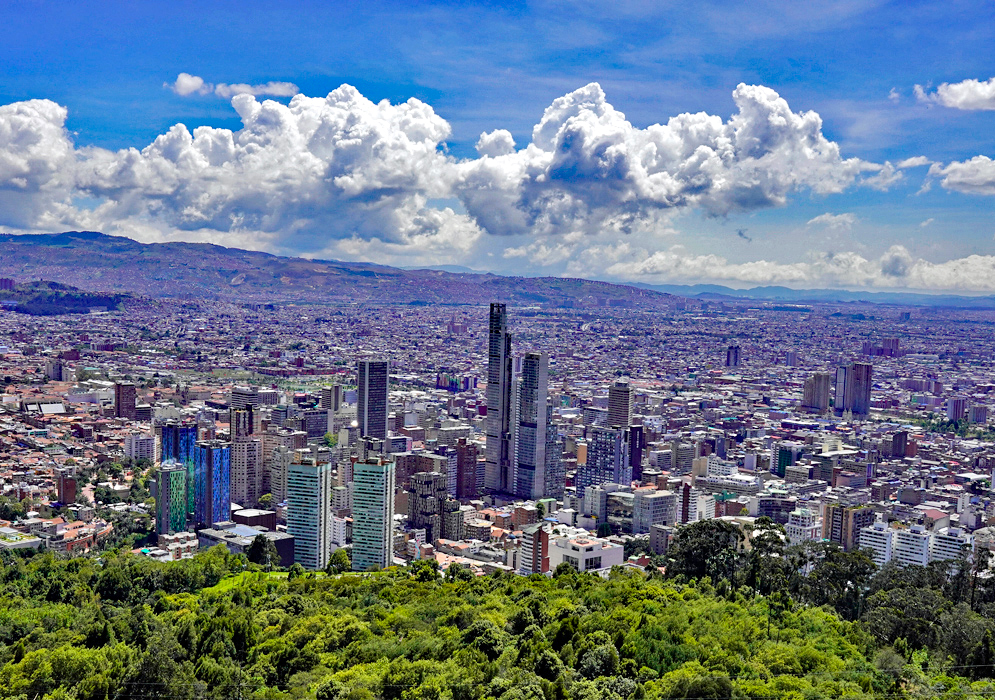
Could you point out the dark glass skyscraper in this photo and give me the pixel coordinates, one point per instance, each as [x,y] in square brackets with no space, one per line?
[178,441]
[498,476]
[371,407]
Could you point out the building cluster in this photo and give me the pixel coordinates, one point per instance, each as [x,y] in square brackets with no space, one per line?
[495,438]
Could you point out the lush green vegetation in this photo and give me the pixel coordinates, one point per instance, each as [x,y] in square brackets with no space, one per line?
[728,623]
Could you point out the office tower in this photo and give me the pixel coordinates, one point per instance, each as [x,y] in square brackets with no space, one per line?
[372,514]
[170,492]
[783,455]
[530,426]
[467,486]
[732,356]
[452,467]
[453,521]
[309,513]
[498,472]
[331,398]
[178,442]
[620,405]
[607,459]
[244,397]
[371,407]
[212,482]
[791,358]
[815,396]
[425,502]
[651,507]
[124,400]
[853,388]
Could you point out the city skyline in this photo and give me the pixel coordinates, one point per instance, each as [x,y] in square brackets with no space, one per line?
[642,146]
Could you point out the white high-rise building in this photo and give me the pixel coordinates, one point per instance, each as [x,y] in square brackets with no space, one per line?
[950,543]
[309,513]
[803,525]
[137,446]
[880,539]
[279,469]
[911,546]
[372,515]
[650,507]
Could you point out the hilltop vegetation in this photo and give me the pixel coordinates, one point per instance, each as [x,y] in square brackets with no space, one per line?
[220,627]
[51,298]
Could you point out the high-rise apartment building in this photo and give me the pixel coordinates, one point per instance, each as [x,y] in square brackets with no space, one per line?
[212,482]
[467,456]
[138,446]
[247,471]
[170,492]
[125,397]
[372,514]
[620,405]
[842,523]
[607,459]
[498,474]
[815,396]
[425,503]
[371,406]
[309,513]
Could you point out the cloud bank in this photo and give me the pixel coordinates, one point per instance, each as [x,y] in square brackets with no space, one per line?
[342,176]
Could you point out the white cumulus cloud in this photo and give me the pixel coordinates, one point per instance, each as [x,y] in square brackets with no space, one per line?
[588,169]
[187,84]
[968,94]
[974,176]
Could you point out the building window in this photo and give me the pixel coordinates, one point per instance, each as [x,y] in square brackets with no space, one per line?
[593,563]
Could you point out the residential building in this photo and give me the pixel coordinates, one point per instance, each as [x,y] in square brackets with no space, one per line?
[372,514]
[309,512]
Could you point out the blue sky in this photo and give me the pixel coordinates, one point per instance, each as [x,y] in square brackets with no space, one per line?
[483,67]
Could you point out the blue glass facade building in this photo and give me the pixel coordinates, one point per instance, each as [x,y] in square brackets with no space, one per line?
[212,482]
[178,442]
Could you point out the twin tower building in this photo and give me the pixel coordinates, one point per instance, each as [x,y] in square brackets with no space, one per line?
[523,453]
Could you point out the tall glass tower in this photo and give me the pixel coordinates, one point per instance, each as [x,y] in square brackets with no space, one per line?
[371,398]
[498,475]
[212,482]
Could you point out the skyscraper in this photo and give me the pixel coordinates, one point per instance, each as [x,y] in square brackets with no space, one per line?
[212,482]
[425,503]
[815,396]
[467,485]
[372,514]
[309,513]
[178,442]
[555,474]
[853,388]
[371,407]
[331,397]
[170,492]
[531,426]
[498,476]
[620,404]
[124,400]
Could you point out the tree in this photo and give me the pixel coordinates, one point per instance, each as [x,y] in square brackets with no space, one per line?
[331,440]
[706,548]
[263,551]
[339,562]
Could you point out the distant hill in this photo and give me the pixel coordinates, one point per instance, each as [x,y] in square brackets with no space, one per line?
[100,263]
[716,292]
[51,298]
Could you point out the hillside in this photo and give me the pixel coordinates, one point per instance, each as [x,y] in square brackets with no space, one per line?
[97,262]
